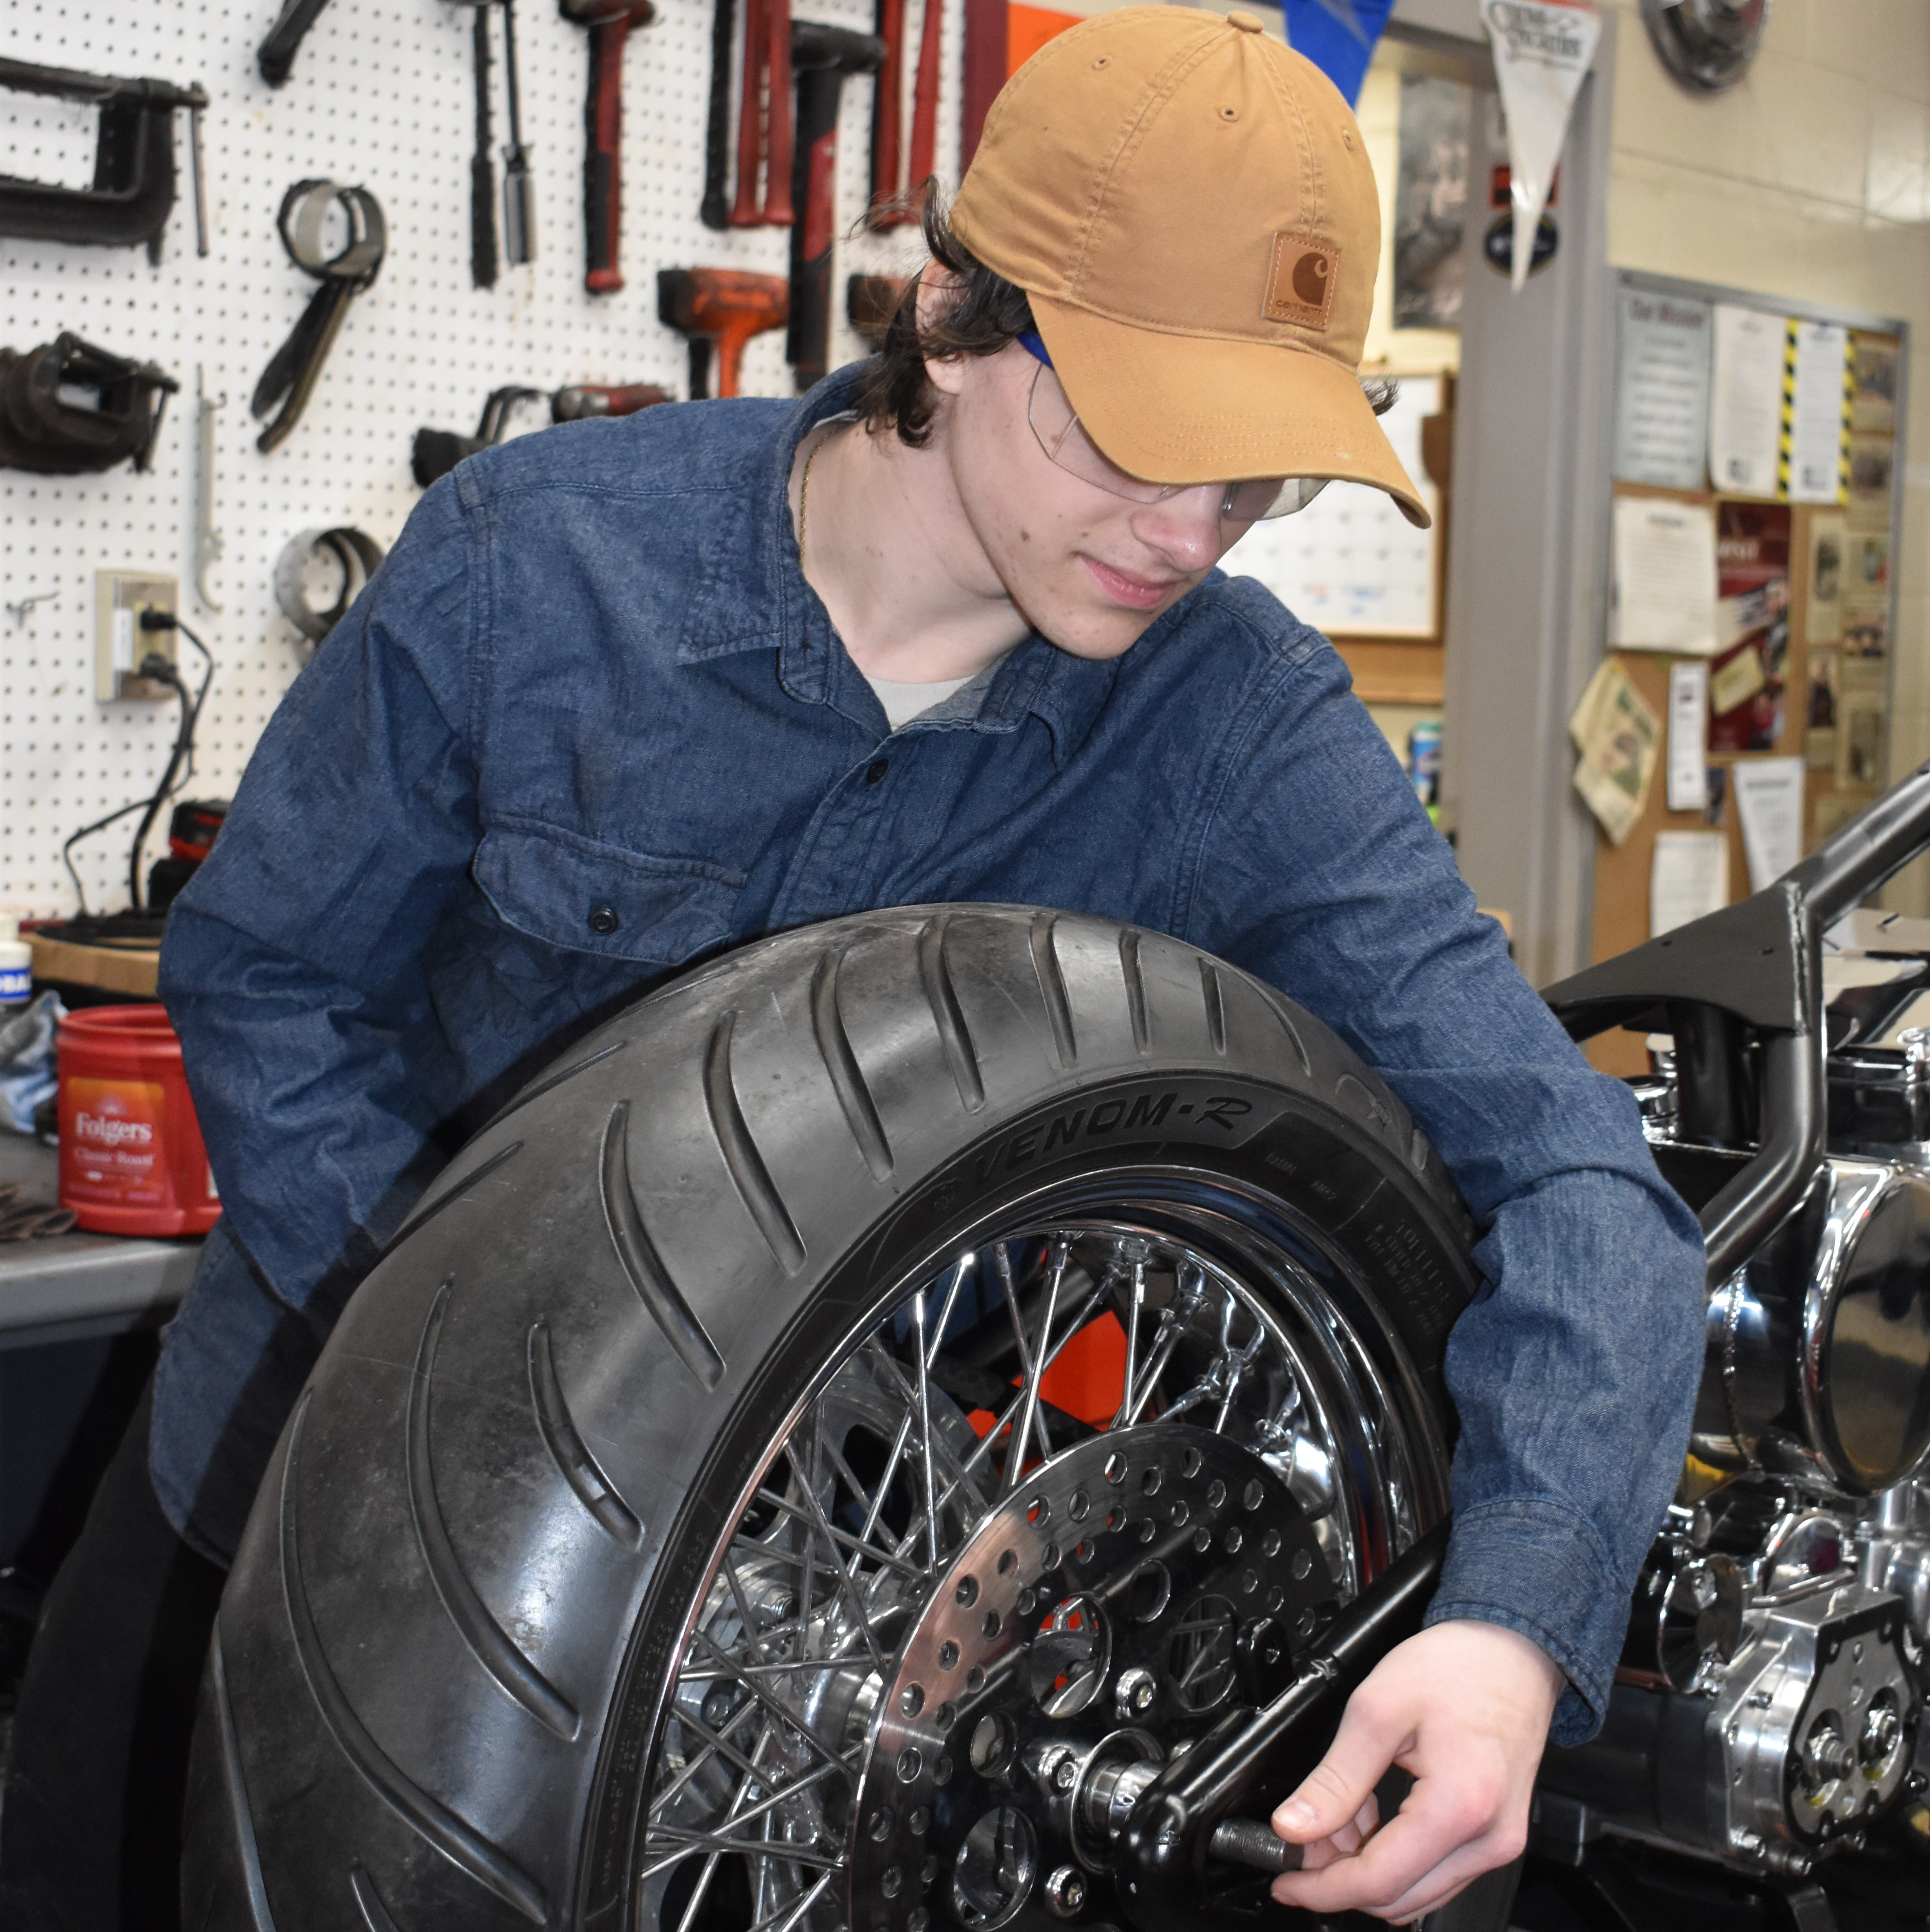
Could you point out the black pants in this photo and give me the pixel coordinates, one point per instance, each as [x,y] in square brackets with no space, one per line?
[90,1828]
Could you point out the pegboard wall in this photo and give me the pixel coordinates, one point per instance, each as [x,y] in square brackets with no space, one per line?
[382,96]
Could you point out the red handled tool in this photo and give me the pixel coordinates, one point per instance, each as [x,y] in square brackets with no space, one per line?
[609,23]
[887,121]
[925,103]
[719,308]
[750,115]
[778,212]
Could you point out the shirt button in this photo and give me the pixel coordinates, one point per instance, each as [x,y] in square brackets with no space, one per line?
[603,918]
[876,769]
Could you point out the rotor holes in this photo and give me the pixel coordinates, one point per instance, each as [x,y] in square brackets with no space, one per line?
[883,1824]
[1201,1659]
[989,1751]
[910,1763]
[945,1716]
[1235,1536]
[1179,1515]
[1084,1554]
[1202,1539]
[1049,1559]
[991,1876]
[948,1655]
[1008,1562]
[1022,1603]
[975,1679]
[1303,1565]
[1148,1529]
[990,1622]
[1115,1467]
[1190,1463]
[1148,1594]
[1249,1581]
[1079,1506]
[911,1700]
[891,1881]
[1068,1658]
[1304,1625]
[1039,1511]
[1215,1494]
[919,1821]
[919,1919]
[1149,1482]
[1276,1598]
[967,1592]
[1270,1543]
[1115,1518]
[1253,1494]
[941,1771]
[929,1873]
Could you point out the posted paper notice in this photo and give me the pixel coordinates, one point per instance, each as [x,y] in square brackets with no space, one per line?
[1745,402]
[1688,727]
[1618,734]
[1819,428]
[1662,402]
[1769,801]
[1664,576]
[1689,877]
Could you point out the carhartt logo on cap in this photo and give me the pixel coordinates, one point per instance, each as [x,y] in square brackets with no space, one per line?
[1300,286]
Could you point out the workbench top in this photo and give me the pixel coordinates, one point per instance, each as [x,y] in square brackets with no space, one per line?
[68,1286]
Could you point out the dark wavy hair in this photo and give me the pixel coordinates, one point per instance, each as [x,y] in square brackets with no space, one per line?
[987,314]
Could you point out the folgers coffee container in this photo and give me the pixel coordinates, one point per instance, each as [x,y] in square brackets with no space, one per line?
[131,1159]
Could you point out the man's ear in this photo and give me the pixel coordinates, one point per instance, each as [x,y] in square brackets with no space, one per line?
[939,289]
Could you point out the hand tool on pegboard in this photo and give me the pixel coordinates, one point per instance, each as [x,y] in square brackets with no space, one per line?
[208,545]
[360,557]
[42,430]
[764,128]
[482,255]
[822,56]
[275,56]
[609,23]
[293,370]
[871,301]
[723,307]
[887,121]
[436,452]
[132,193]
[924,107]
[715,210]
[519,190]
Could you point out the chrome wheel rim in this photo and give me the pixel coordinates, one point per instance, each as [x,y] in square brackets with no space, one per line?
[1096,1478]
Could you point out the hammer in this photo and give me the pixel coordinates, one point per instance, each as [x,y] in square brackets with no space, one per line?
[724,306]
[821,56]
[609,21]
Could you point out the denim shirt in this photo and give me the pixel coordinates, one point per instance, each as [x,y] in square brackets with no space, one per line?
[590,680]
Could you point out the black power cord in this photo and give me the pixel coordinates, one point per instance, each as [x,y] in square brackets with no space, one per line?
[157,669]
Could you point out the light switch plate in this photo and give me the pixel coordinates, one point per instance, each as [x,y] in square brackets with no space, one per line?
[119,642]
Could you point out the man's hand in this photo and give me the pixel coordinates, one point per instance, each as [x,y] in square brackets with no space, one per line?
[1464,1708]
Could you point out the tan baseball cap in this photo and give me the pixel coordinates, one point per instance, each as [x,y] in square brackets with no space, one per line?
[1190,205]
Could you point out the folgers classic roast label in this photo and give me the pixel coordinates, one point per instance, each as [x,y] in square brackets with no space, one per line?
[112,1151]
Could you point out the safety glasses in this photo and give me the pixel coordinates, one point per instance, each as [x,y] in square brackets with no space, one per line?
[1063,437]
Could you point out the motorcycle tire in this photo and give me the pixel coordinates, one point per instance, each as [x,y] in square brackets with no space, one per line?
[882,1368]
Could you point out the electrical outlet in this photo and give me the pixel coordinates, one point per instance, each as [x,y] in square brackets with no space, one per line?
[119,643]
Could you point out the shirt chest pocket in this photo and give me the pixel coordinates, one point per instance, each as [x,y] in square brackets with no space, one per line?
[587,897]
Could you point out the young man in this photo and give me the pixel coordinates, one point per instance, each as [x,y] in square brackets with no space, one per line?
[949,629]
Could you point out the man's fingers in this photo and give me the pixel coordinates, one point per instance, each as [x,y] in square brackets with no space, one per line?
[1340,1787]
[1438,1842]
[1344,1842]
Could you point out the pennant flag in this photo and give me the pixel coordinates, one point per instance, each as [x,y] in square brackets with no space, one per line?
[1542,48]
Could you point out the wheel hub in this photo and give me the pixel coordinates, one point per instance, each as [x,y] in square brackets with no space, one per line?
[1119,1598]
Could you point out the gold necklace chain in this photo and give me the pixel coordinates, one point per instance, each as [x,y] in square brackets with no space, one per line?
[804,494]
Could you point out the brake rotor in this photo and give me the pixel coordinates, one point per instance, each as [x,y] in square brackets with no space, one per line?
[1143,1579]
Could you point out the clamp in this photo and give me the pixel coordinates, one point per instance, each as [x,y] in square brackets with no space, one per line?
[296,366]
[133,192]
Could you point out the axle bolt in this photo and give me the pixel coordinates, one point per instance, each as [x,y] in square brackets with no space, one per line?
[1136,1692]
[1065,1891]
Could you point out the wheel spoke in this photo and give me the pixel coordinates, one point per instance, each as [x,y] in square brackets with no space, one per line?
[925,1429]
[1035,1366]
[841,1581]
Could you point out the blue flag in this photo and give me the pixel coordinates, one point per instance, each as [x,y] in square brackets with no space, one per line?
[1338,37]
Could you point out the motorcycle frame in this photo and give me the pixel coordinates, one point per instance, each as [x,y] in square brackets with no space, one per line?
[1741,989]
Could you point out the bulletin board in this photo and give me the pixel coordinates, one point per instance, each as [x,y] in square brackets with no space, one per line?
[1802,669]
